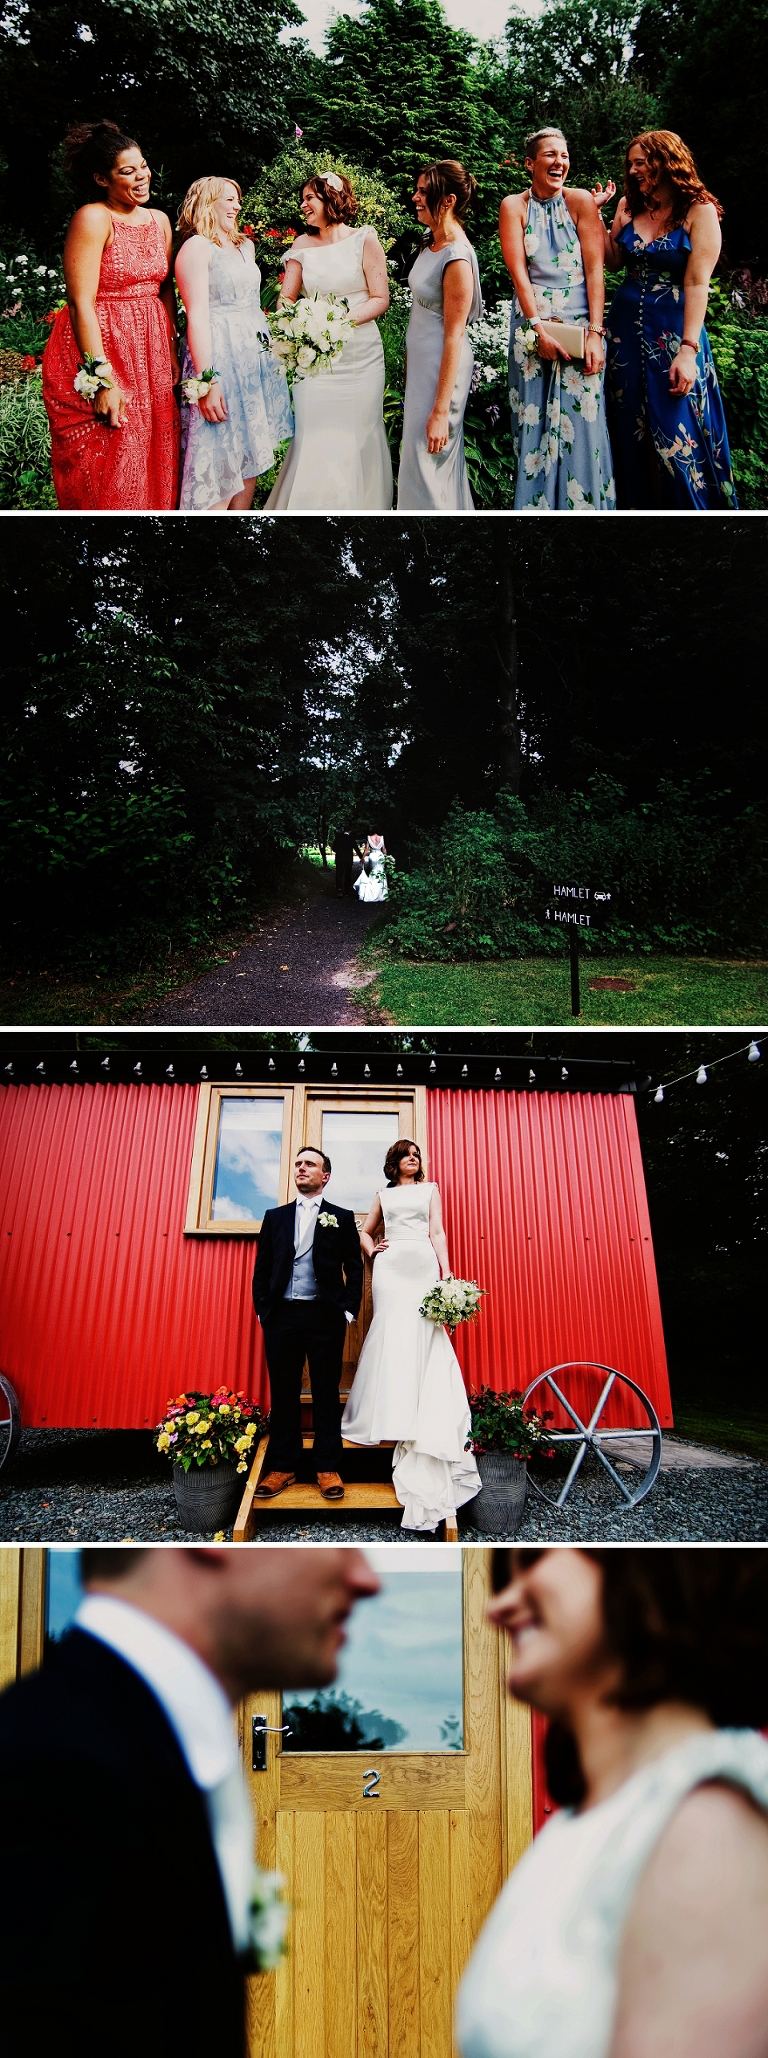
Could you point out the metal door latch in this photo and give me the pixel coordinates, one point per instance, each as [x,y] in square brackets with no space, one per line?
[371,1785]
[260,1730]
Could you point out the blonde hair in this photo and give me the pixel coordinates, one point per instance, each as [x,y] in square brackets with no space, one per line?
[540,136]
[197,215]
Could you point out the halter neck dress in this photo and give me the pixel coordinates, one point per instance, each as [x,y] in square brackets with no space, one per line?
[440,482]
[220,456]
[339,457]
[559,429]
[543,1979]
[408,1387]
[135,467]
[671,449]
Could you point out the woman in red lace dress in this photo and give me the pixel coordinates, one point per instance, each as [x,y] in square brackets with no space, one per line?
[115,433]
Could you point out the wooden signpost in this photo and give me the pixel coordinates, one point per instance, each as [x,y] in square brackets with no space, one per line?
[574,909]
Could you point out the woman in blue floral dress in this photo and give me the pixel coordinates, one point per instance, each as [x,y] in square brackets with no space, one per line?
[553,244]
[665,412]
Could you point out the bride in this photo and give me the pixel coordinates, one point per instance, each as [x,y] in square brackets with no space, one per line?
[372,881]
[340,456]
[408,1385]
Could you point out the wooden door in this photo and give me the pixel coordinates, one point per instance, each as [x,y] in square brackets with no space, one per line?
[389,1888]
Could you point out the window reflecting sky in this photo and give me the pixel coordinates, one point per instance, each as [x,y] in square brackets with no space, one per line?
[357,1145]
[247,1176]
[403,1656]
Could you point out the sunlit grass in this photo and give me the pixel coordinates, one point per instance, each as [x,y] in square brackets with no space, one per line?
[678,992]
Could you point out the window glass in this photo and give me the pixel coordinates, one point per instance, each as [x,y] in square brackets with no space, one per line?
[246,1179]
[357,1144]
[400,1678]
[63,1590]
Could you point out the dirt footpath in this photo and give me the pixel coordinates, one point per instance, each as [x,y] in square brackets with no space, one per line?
[298,974]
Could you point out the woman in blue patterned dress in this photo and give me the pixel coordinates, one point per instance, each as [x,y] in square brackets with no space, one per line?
[553,241]
[230,435]
[665,412]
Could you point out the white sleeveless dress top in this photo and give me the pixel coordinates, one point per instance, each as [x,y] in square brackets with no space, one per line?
[542,1981]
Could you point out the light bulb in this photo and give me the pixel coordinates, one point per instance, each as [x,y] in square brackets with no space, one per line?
[701,1076]
[754,1052]
[659,1094]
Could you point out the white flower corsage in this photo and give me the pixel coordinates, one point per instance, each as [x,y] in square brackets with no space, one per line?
[93,376]
[328,1221]
[196,389]
[528,338]
[269,1918]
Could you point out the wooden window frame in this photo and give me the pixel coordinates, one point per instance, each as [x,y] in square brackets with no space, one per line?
[302,1125]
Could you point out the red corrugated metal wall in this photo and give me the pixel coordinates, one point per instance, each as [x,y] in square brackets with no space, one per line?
[545,1205]
[106,1308]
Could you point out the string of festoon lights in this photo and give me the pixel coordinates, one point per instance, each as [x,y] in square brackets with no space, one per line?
[753,1052]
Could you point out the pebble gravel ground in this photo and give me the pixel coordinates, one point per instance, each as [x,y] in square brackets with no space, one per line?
[300,971]
[110,1486]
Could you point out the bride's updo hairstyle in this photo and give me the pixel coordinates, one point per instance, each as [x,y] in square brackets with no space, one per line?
[392,1160]
[338,197]
[198,216]
[684,1626]
[445,177]
[91,151]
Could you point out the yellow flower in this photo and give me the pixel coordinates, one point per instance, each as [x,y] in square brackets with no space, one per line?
[218,1536]
[192,1418]
[241,1443]
[242,1467]
[207,1444]
[170,1426]
[163,1442]
[199,1428]
[224,1408]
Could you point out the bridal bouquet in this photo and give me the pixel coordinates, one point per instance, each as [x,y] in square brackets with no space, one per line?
[310,335]
[452,1302]
[205,1428]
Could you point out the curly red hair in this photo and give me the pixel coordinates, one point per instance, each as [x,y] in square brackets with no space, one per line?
[668,157]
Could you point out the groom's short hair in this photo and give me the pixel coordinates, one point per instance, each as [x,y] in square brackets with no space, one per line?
[308,1151]
[96,1564]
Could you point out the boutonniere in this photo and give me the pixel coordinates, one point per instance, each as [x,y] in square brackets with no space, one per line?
[328,1221]
[269,1920]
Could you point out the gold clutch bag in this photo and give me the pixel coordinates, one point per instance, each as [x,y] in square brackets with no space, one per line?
[572,335]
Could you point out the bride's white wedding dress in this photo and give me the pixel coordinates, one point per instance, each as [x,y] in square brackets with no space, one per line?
[372,885]
[339,457]
[408,1387]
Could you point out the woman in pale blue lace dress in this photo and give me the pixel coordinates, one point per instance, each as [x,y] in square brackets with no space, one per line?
[553,244]
[231,434]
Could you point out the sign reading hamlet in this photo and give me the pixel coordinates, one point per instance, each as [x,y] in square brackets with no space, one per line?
[578,907]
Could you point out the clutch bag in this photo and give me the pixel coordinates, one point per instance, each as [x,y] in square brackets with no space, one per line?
[572,335]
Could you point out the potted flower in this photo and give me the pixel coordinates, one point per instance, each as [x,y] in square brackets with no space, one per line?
[209,1438]
[503,1439]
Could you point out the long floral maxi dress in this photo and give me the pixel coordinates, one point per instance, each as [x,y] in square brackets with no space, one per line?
[137,466]
[670,449]
[559,429]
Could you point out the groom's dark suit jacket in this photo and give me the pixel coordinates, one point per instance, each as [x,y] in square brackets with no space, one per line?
[114,1935]
[336,1256]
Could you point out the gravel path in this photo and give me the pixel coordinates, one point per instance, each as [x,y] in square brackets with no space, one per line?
[297,973]
[100,1485]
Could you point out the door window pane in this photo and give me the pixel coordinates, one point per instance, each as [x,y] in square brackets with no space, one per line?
[357,1145]
[246,1179]
[400,1679]
[63,1590]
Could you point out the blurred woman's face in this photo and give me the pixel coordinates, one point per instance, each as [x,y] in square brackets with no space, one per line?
[226,208]
[552,1612]
[128,181]
[313,209]
[550,166]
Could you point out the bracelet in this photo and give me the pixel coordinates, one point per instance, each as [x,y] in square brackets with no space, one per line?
[195,389]
[594,329]
[688,345]
[94,375]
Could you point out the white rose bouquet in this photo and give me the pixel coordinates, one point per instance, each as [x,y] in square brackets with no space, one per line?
[309,336]
[452,1302]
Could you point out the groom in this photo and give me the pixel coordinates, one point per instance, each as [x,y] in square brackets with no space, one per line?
[307,1286]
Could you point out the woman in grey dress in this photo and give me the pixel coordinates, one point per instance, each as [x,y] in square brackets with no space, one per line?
[445,283]
[231,433]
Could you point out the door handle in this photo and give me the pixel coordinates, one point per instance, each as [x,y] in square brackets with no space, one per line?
[371,1785]
[260,1730]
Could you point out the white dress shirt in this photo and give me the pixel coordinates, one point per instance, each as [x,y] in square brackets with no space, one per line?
[201,1718]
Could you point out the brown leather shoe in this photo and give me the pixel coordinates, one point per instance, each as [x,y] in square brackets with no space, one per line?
[274,1483]
[331,1486]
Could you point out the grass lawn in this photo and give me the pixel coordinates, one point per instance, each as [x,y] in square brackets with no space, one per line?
[675,991]
[727,1428]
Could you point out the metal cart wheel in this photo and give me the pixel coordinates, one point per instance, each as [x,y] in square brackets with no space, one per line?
[587,1436]
[10,1421]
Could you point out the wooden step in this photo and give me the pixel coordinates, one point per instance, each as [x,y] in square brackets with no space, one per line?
[307,1498]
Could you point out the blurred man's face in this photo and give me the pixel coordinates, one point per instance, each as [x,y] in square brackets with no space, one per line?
[278,1616]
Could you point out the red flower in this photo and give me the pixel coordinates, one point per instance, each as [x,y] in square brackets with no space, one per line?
[28,363]
[50,317]
[246,230]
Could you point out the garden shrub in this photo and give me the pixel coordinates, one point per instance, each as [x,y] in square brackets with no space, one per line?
[25,445]
[738,332]
[271,208]
[683,877]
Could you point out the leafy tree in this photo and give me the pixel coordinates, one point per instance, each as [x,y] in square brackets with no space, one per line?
[573,65]
[707,63]
[201,90]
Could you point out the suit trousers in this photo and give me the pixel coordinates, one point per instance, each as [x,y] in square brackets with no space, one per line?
[344,876]
[295,1331]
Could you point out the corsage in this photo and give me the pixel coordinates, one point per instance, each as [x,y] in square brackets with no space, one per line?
[94,375]
[196,389]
